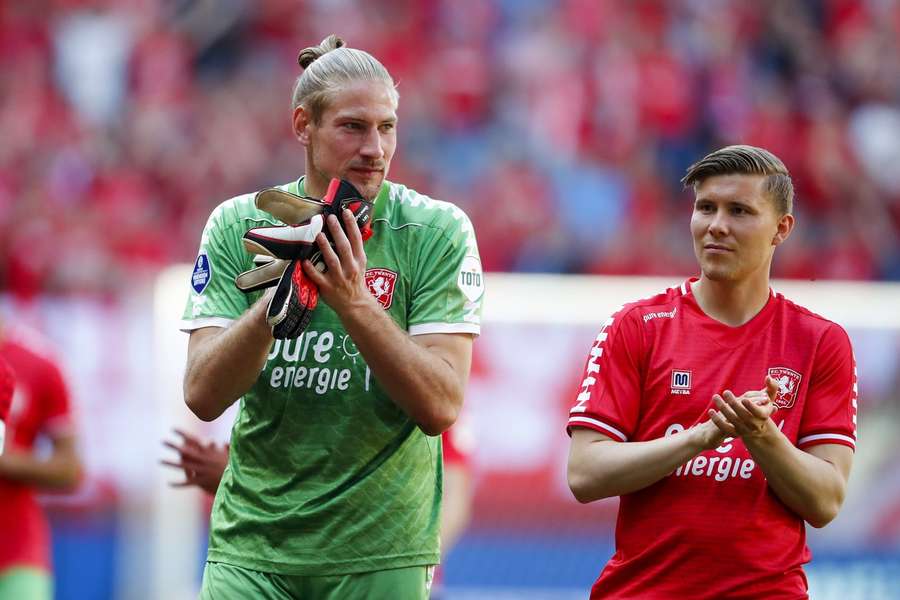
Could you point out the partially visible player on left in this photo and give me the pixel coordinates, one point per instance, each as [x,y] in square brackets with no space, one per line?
[39,407]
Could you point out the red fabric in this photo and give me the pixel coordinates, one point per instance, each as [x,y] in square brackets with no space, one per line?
[7,387]
[40,406]
[457,442]
[712,529]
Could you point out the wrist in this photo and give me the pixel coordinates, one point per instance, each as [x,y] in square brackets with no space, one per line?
[703,436]
[361,308]
[768,435]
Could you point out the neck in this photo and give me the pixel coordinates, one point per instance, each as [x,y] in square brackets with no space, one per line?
[313,185]
[729,302]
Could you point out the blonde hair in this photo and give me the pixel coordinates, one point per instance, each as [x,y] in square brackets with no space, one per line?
[328,66]
[747,160]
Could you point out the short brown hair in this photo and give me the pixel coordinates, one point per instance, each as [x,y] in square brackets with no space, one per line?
[746,160]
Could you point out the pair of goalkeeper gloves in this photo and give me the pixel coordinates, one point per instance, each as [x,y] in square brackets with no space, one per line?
[281,249]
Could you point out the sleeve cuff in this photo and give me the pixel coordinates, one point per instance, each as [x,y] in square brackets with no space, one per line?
[189,325]
[808,441]
[600,426]
[426,328]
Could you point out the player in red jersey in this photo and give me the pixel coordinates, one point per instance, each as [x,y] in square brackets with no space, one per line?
[722,414]
[40,407]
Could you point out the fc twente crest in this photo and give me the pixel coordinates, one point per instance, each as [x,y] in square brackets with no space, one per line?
[788,385]
[381,284]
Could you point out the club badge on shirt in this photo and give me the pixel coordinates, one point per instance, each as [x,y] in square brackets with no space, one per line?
[381,285]
[788,385]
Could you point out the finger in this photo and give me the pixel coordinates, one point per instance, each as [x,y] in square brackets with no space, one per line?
[341,242]
[756,395]
[174,446]
[170,463]
[187,437]
[738,407]
[723,403]
[193,457]
[719,421]
[771,388]
[328,255]
[762,410]
[313,274]
[180,484]
[758,410]
[354,235]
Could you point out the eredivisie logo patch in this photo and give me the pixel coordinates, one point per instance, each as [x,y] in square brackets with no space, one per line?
[201,274]
[381,284]
[788,385]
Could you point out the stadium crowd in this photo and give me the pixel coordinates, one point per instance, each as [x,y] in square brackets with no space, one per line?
[560,126]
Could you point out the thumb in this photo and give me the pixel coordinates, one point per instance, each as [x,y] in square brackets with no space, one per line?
[771,388]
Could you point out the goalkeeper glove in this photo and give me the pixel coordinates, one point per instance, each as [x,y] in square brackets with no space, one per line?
[281,250]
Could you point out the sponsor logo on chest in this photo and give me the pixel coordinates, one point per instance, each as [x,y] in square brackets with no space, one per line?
[381,283]
[788,385]
[681,382]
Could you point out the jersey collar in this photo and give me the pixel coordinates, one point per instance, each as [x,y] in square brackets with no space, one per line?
[296,187]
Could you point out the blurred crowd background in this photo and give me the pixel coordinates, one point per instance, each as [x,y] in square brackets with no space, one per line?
[561,126]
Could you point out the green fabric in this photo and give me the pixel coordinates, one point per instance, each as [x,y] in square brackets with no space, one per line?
[326,474]
[228,581]
[18,583]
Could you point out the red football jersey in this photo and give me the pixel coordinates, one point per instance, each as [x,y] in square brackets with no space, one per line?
[712,529]
[40,406]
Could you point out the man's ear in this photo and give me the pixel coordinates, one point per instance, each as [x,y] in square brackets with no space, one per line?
[301,123]
[785,227]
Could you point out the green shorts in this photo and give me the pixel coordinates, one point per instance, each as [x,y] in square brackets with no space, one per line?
[221,581]
[25,582]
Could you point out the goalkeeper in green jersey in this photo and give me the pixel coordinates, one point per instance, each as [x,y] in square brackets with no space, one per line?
[334,474]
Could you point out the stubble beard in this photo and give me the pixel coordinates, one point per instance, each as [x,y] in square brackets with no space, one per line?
[720,273]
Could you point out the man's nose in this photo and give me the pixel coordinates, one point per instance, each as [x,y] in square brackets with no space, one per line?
[372,147]
[718,224]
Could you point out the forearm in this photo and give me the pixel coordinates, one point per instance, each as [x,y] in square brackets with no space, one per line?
[57,473]
[606,468]
[810,486]
[222,367]
[421,383]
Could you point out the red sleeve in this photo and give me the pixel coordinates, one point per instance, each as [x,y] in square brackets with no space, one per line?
[609,398]
[829,414]
[55,402]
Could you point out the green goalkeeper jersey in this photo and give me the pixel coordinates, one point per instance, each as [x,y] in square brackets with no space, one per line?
[326,474]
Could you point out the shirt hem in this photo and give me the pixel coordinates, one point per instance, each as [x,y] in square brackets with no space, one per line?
[341,567]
